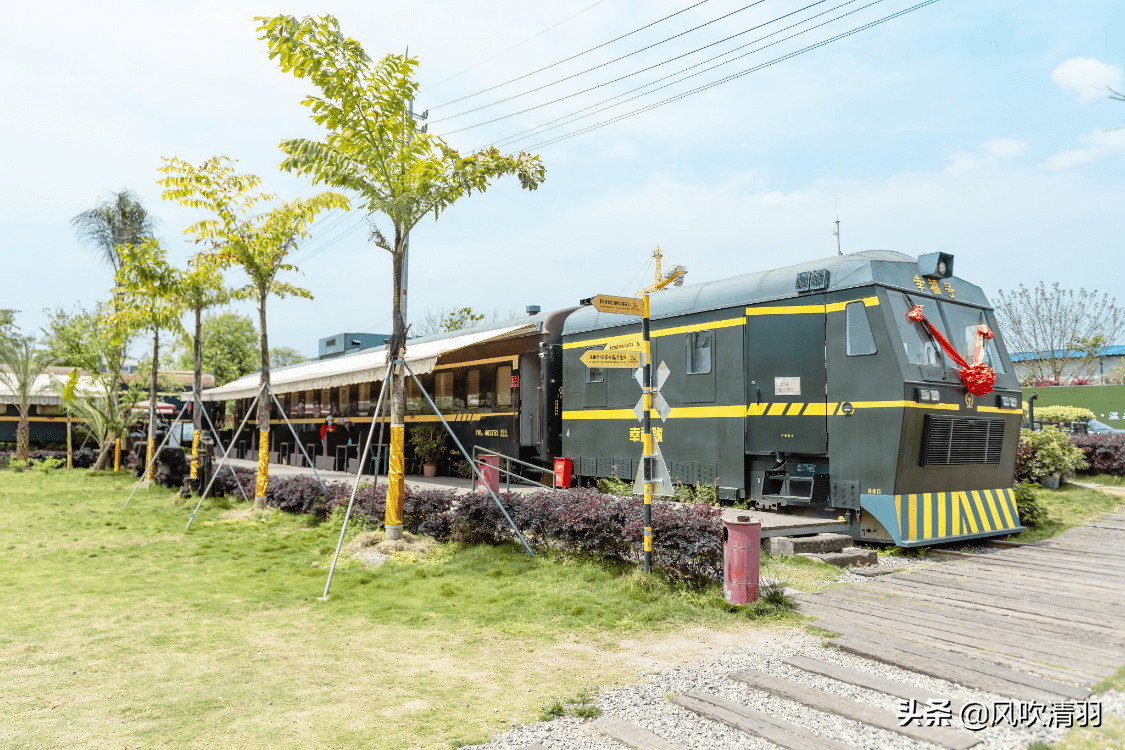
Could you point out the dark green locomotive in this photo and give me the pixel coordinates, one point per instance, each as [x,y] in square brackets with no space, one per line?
[807,389]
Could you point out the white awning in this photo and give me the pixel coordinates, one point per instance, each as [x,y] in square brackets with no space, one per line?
[43,389]
[367,366]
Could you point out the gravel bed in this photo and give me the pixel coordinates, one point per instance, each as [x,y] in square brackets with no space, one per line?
[647,704]
[888,564]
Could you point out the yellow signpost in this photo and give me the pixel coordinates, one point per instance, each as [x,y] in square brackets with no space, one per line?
[594,358]
[623,346]
[621,305]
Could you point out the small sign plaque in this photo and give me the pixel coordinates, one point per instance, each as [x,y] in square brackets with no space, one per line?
[787,386]
[515,381]
[594,358]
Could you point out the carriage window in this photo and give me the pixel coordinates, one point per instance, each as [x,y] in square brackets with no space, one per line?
[443,386]
[504,386]
[699,352]
[916,340]
[413,396]
[472,389]
[860,339]
[595,374]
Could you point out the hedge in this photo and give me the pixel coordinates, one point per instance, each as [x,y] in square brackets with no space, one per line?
[83,459]
[1105,454]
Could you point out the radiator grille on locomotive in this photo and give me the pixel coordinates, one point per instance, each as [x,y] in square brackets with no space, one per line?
[961,440]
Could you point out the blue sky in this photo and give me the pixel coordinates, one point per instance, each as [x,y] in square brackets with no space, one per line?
[981,129]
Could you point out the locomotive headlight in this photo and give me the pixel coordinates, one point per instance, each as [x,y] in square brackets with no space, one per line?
[941,267]
[935,396]
[923,394]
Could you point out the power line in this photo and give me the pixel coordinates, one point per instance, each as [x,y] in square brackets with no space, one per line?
[576,115]
[572,57]
[735,75]
[596,67]
[525,41]
[664,62]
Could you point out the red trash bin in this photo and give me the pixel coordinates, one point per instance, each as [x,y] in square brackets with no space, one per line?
[490,470]
[742,539]
[563,468]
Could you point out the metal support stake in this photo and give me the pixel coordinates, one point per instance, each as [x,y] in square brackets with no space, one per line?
[155,453]
[220,444]
[646,366]
[465,453]
[378,417]
[296,437]
[355,490]
[226,455]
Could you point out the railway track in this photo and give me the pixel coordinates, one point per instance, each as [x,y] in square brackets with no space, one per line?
[1027,625]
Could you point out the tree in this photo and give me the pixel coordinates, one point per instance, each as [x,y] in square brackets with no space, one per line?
[374,147]
[21,362]
[445,319]
[96,343]
[8,329]
[1055,325]
[229,346]
[113,223]
[258,243]
[283,356]
[150,293]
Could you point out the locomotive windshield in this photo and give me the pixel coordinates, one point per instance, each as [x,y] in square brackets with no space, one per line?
[920,347]
[963,321]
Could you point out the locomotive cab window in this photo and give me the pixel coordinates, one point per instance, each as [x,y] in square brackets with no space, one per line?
[698,352]
[860,339]
[919,346]
[504,386]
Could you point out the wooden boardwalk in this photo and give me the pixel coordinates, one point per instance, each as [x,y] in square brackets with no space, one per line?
[1041,622]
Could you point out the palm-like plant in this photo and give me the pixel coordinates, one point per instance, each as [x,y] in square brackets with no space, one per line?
[21,362]
[115,221]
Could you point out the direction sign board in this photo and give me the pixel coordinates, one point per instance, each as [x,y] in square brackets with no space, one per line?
[622,305]
[618,346]
[594,358]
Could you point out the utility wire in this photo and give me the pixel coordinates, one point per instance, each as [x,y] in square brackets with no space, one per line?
[568,59]
[525,41]
[596,67]
[664,62]
[734,76]
[575,116]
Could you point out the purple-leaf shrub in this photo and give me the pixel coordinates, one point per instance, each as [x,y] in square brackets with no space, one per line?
[1104,453]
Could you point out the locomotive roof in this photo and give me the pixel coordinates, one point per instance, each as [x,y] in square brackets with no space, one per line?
[882,267]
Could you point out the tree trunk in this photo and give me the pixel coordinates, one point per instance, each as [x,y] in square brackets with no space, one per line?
[153,374]
[396,378]
[197,387]
[23,434]
[263,411]
[103,454]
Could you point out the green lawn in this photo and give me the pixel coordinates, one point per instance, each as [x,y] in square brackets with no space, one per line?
[118,629]
[1103,400]
[1066,507]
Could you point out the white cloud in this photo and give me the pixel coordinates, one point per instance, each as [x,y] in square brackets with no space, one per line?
[989,153]
[1087,77]
[1102,143]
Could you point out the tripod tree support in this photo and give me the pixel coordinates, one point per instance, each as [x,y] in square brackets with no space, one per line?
[147,474]
[468,458]
[199,403]
[355,488]
[226,455]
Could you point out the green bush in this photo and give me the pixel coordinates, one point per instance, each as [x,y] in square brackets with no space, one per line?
[47,465]
[1047,453]
[1030,511]
[611,486]
[1061,414]
[15,464]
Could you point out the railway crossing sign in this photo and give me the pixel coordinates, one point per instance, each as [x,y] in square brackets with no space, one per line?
[622,305]
[658,401]
[594,358]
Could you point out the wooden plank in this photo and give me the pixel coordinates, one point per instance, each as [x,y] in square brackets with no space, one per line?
[1003,680]
[924,596]
[822,700]
[1006,568]
[949,651]
[1083,561]
[935,592]
[1075,658]
[628,733]
[869,681]
[1014,592]
[1064,644]
[745,719]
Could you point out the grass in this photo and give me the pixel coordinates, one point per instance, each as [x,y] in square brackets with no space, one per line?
[1066,507]
[1100,399]
[117,628]
[1110,480]
[801,573]
[1111,734]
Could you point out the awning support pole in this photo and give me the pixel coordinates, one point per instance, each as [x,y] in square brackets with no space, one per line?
[355,490]
[464,453]
[226,455]
[155,453]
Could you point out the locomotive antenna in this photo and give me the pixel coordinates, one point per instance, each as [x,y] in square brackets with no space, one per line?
[837,232]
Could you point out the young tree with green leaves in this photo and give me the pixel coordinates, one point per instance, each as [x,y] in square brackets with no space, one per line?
[229,347]
[374,148]
[95,342]
[150,295]
[21,362]
[8,329]
[258,243]
[283,356]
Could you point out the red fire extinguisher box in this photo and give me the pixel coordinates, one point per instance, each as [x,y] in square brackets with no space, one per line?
[742,539]
[563,467]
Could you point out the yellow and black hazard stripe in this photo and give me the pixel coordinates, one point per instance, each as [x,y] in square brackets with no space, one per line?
[779,409]
[928,517]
